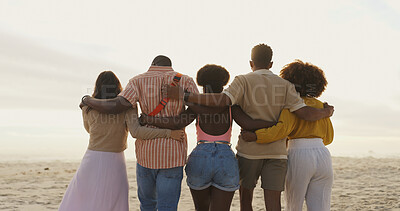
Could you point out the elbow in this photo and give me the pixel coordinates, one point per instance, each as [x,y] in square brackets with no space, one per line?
[178,126]
[247,128]
[134,133]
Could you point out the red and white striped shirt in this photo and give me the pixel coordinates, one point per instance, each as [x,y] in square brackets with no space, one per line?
[158,153]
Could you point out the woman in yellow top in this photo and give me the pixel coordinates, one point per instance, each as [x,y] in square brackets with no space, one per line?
[101,181]
[310,174]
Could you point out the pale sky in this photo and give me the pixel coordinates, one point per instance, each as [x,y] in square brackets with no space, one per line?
[52,51]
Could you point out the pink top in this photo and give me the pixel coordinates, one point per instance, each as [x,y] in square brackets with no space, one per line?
[202,136]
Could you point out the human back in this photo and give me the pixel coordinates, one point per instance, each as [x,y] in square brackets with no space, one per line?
[148,90]
[108,132]
[264,96]
[317,129]
[158,153]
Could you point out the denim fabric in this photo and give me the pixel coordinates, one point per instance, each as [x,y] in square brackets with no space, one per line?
[159,189]
[212,164]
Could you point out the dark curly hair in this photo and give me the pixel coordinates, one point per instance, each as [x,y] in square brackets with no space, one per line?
[261,55]
[213,78]
[308,79]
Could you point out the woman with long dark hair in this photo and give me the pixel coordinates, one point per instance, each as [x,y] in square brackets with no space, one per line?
[101,181]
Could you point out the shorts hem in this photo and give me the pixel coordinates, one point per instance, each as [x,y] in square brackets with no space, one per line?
[226,189]
[262,157]
[274,188]
[198,188]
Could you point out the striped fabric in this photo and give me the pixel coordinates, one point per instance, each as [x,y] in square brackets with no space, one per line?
[159,153]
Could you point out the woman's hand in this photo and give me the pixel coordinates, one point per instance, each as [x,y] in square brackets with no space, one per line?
[248,136]
[178,135]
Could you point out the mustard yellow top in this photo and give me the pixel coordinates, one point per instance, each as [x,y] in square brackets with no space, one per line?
[289,125]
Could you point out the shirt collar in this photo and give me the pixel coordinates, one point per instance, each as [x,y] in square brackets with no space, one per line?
[160,68]
[263,72]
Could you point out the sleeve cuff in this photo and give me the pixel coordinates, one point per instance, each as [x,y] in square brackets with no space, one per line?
[168,134]
[233,102]
[297,107]
[131,101]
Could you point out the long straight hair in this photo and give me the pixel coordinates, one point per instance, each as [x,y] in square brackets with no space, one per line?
[107,86]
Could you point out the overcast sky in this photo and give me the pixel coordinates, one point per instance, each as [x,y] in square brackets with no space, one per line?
[52,51]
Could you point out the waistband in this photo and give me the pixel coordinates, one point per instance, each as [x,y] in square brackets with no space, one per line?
[305,143]
[213,142]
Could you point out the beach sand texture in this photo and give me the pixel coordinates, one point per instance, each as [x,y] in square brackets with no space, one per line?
[360,184]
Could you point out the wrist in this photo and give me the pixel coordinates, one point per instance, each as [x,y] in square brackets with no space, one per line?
[326,112]
[84,98]
[169,133]
[186,95]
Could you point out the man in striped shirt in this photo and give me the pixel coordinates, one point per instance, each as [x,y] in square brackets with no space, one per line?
[160,161]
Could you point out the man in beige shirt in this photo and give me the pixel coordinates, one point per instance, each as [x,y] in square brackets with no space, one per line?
[262,95]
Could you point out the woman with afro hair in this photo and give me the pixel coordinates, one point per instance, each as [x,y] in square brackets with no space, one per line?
[309,175]
[212,168]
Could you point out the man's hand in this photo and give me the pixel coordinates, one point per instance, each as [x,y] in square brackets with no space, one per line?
[172,92]
[143,119]
[248,136]
[330,109]
[178,135]
[82,101]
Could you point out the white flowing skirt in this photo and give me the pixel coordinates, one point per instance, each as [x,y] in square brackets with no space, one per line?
[100,184]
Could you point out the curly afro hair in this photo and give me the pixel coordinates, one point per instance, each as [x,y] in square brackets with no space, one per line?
[308,79]
[213,78]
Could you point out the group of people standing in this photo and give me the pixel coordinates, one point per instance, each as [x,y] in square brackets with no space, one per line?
[269,109]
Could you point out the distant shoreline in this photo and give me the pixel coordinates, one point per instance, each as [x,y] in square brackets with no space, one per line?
[365,183]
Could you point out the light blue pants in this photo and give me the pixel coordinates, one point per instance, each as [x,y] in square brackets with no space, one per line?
[159,189]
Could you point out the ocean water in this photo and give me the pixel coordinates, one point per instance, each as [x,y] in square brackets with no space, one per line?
[48,135]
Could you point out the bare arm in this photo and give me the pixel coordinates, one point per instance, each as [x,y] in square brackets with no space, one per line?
[173,123]
[246,122]
[109,106]
[200,109]
[84,117]
[143,132]
[312,114]
[209,99]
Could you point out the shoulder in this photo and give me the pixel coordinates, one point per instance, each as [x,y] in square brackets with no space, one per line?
[88,112]
[132,110]
[144,75]
[184,77]
[313,102]
[186,81]
[85,108]
[241,78]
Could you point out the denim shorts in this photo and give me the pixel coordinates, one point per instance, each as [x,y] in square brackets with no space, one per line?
[212,164]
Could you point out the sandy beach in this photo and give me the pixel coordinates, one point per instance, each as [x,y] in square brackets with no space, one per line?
[360,184]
